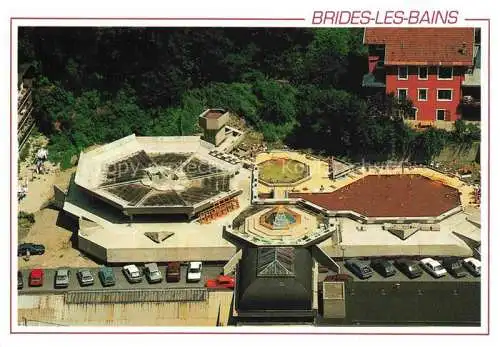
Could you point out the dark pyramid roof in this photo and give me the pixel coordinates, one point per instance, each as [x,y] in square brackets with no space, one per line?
[282,280]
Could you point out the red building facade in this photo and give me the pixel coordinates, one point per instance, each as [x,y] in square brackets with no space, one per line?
[425,65]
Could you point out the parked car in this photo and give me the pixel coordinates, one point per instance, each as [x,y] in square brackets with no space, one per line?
[153,274]
[454,267]
[33,249]
[409,267]
[173,271]
[221,281]
[132,273]
[433,267]
[473,265]
[62,278]
[358,268]
[36,278]
[194,271]
[383,267]
[85,277]
[107,276]
[20,281]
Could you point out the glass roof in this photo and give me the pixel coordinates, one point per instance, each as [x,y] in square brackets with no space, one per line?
[275,262]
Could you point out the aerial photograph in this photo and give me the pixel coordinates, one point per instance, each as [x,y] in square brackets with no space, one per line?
[247,176]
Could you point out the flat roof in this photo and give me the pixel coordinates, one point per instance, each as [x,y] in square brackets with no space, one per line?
[408,195]
[214,114]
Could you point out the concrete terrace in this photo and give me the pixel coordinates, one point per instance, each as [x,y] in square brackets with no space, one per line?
[362,240]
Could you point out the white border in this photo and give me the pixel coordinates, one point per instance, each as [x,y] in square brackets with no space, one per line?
[61,9]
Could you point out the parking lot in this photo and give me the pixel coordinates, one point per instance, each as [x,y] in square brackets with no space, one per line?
[208,271]
[399,276]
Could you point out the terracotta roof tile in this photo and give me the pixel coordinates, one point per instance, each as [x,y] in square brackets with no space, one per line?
[424,46]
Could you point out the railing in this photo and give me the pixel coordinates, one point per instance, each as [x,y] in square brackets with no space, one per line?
[24,96]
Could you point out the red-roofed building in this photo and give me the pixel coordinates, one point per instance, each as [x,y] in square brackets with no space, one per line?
[432,67]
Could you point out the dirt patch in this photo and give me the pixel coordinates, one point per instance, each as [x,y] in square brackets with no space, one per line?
[389,196]
[53,231]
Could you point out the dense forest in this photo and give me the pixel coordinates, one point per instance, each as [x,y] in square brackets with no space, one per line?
[298,86]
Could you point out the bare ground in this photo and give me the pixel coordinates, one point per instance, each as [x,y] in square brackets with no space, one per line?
[56,238]
[51,228]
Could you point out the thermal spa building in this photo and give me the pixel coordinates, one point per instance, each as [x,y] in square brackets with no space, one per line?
[142,199]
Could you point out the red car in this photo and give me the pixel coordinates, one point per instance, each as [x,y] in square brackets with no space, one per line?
[36,278]
[221,281]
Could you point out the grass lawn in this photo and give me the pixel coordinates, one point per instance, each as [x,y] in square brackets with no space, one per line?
[282,170]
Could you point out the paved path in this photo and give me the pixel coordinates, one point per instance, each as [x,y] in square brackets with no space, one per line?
[209,271]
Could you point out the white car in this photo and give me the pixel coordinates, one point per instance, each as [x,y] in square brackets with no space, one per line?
[194,271]
[153,274]
[433,267]
[473,265]
[132,273]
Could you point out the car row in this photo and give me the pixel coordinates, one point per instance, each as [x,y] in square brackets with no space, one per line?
[132,273]
[412,269]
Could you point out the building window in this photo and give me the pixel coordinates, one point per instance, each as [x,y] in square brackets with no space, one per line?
[402,72]
[422,94]
[441,114]
[402,94]
[423,73]
[444,94]
[412,115]
[445,73]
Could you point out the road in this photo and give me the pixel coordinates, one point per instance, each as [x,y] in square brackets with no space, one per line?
[208,271]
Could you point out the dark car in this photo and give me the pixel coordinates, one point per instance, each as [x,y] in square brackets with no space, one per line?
[85,277]
[383,267]
[107,276]
[173,271]
[409,267]
[32,248]
[454,266]
[20,282]
[358,268]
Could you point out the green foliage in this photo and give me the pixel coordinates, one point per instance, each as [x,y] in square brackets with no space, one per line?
[466,133]
[24,223]
[25,151]
[299,86]
[430,143]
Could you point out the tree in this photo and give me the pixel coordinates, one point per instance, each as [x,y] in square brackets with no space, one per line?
[466,133]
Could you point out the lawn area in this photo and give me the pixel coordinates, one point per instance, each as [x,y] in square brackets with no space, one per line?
[282,170]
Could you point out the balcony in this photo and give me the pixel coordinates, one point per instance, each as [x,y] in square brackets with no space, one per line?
[473,76]
[470,101]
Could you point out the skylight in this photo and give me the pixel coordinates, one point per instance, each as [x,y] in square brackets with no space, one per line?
[275,262]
